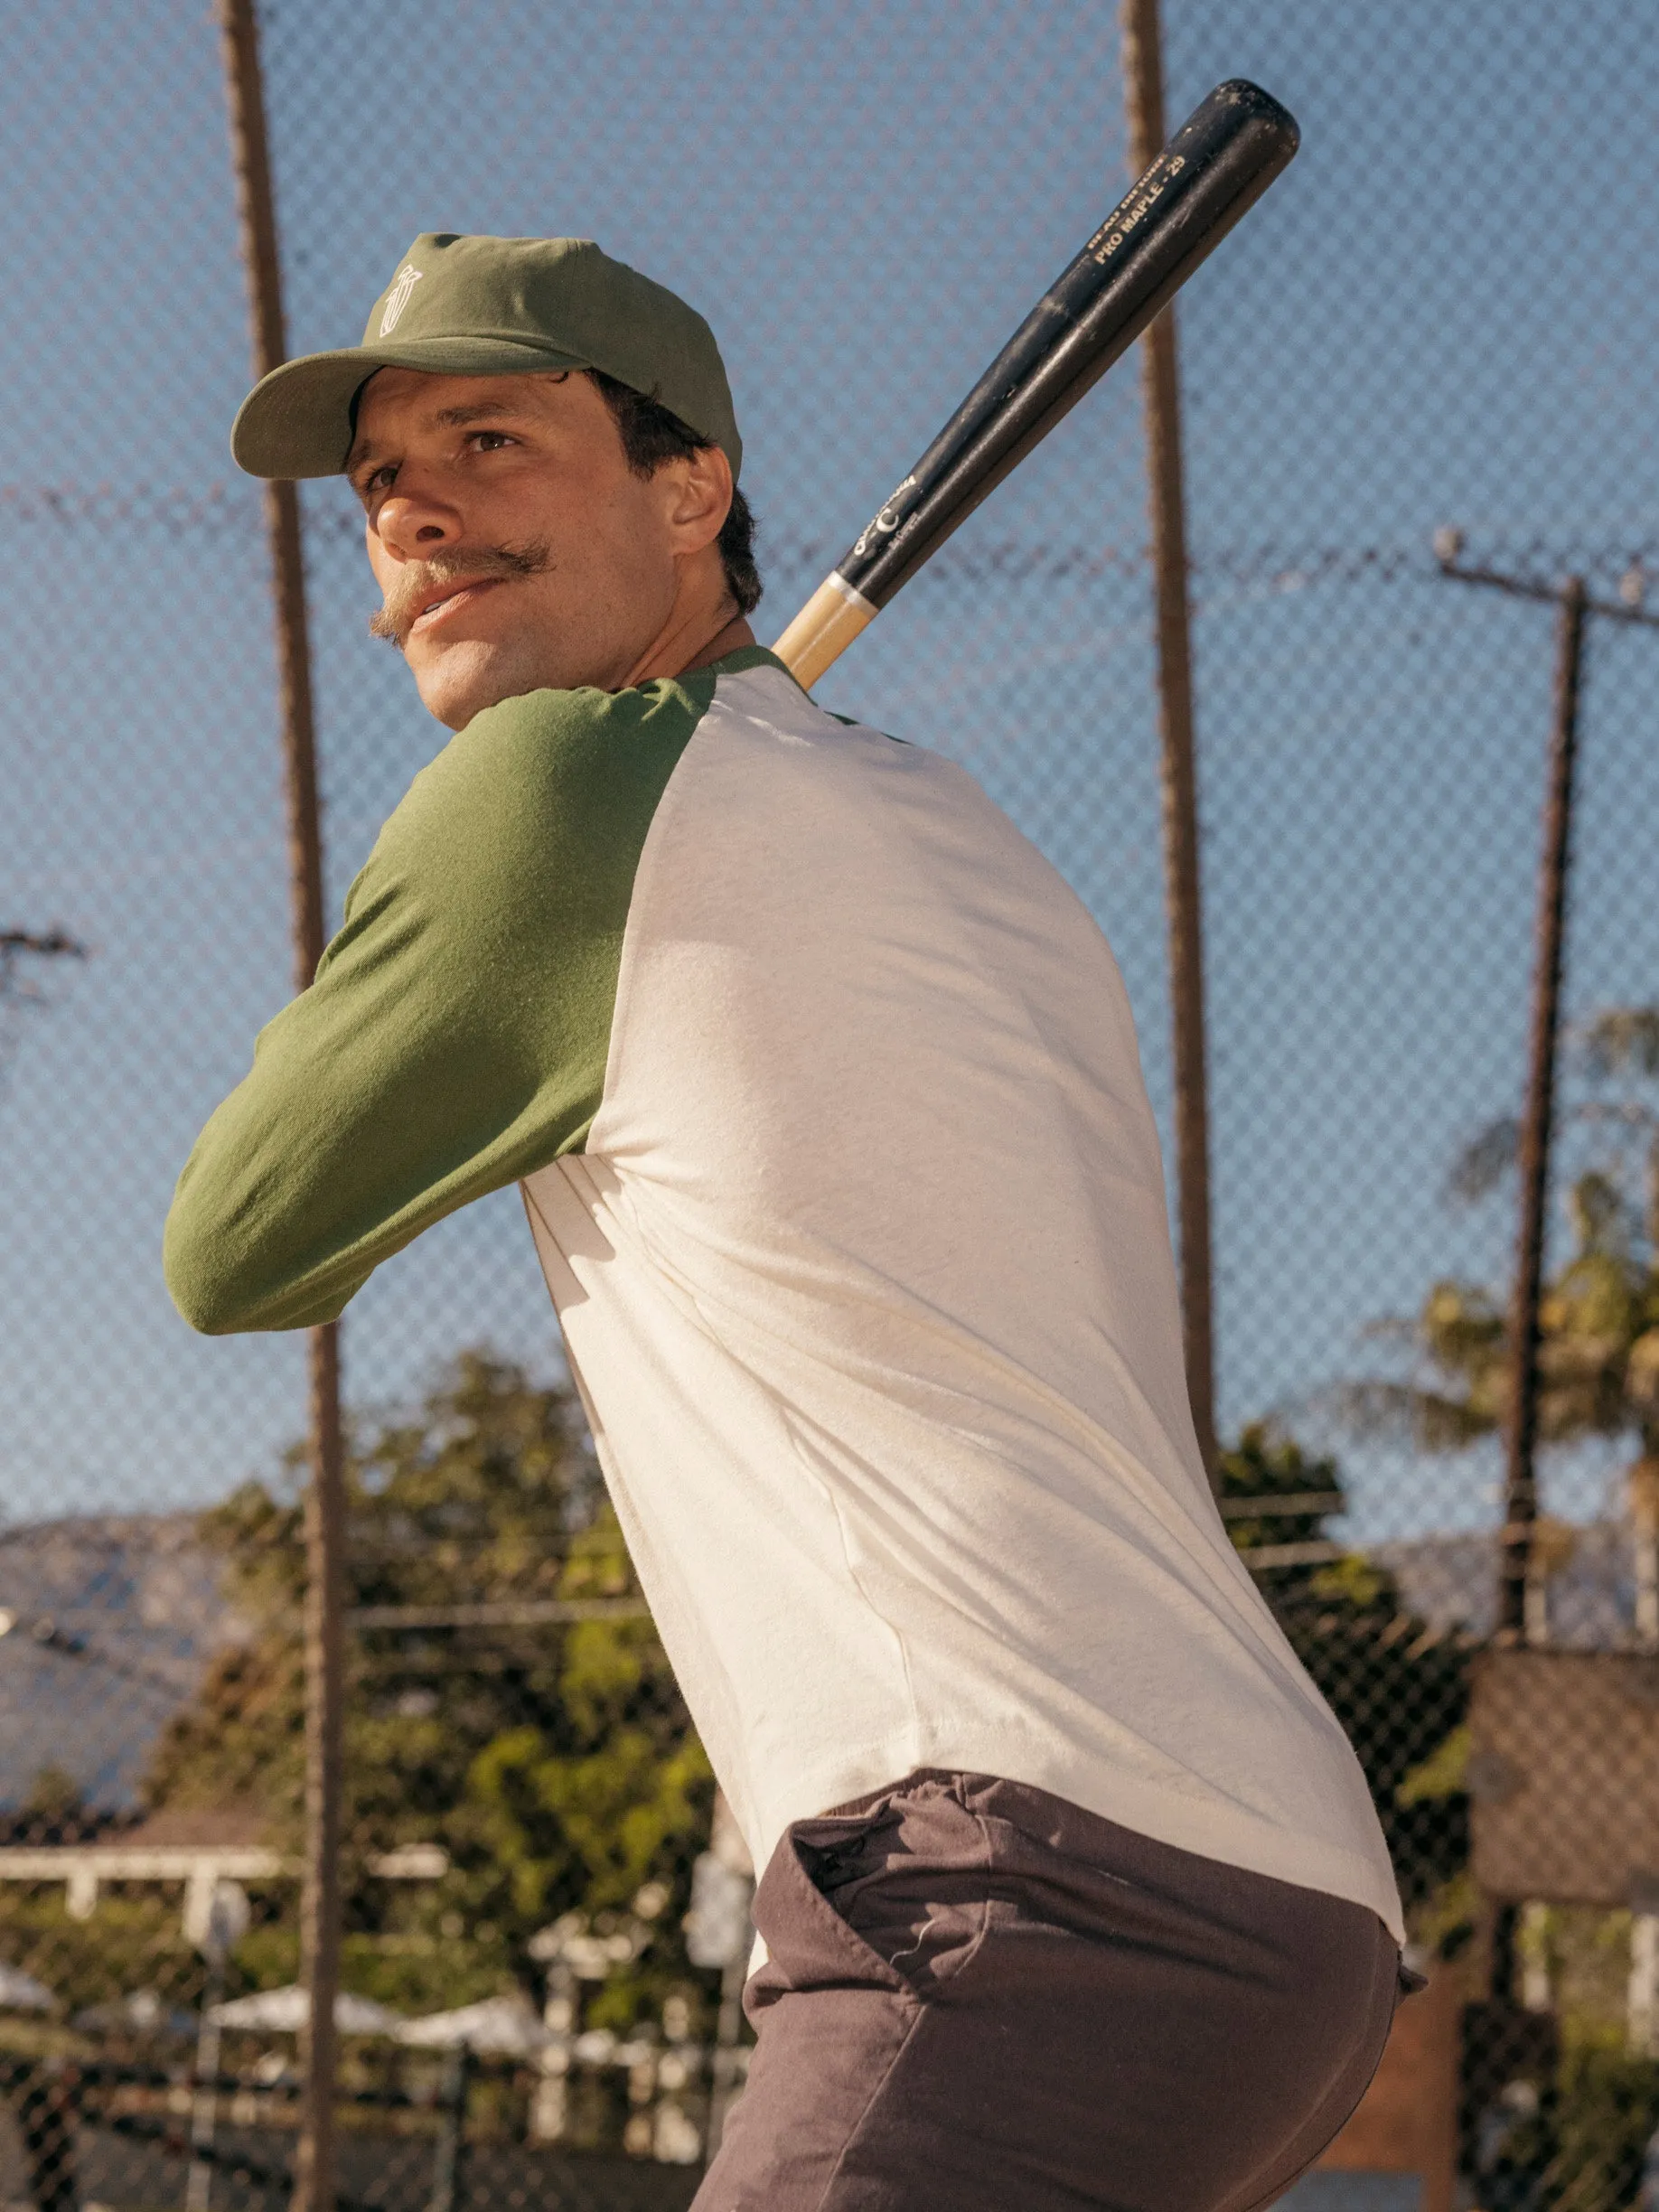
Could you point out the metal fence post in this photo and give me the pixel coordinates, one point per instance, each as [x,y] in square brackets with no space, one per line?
[319,1907]
[450,2145]
[1143,92]
[1521,1478]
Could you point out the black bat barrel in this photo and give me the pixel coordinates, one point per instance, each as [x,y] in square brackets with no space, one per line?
[1218,164]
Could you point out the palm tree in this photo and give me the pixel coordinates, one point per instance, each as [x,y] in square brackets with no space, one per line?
[1598,1318]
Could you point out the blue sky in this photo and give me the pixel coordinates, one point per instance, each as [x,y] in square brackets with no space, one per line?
[1445,310]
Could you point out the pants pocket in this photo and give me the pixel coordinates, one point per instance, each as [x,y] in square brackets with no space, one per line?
[809,1943]
[914,1888]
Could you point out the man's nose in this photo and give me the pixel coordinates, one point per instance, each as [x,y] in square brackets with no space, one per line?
[414,527]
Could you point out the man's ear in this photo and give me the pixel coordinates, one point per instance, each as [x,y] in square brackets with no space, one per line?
[700,497]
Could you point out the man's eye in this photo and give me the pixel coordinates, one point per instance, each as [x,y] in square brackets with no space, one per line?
[378,480]
[492,441]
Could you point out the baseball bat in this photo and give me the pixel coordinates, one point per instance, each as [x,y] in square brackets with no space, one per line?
[1219,163]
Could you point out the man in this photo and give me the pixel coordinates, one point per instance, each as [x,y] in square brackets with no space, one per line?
[824,1097]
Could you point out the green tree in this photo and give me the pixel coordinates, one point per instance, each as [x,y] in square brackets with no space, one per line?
[1598,1375]
[1598,1317]
[1399,1689]
[553,1762]
[54,1810]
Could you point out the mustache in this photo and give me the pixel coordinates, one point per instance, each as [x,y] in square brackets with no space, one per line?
[412,584]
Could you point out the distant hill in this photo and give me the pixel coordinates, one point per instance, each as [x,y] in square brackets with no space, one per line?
[1451,1582]
[141,1596]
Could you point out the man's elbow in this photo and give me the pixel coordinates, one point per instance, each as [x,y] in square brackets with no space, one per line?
[210,1283]
[223,1286]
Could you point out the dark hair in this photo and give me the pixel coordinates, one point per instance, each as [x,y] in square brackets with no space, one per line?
[650,435]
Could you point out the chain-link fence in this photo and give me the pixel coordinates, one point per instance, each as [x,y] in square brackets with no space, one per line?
[1441,321]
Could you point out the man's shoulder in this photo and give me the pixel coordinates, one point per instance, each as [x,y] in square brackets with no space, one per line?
[542,734]
[548,722]
[761,711]
[562,765]
[832,794]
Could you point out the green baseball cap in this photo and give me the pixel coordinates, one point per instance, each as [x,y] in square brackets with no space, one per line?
[492,307]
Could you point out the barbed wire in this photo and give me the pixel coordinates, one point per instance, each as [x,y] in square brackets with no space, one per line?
[1537,561]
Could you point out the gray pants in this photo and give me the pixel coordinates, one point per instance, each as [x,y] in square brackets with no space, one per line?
[981,1998]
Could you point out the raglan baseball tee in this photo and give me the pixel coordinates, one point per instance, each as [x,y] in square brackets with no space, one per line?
[824,1096]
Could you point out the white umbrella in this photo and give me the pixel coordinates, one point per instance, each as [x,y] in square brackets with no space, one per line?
[503,2024]
[21,1993]
[284,2011]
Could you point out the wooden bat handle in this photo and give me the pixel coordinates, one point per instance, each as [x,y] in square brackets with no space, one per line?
[823,630]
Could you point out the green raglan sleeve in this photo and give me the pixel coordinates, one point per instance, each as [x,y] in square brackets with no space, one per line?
[455,1036]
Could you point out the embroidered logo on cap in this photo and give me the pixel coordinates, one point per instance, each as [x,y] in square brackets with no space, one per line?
[409,276]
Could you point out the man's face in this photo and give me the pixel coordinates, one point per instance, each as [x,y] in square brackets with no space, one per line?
[514,547]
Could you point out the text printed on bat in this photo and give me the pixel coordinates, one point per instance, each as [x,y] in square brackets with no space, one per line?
[887,521]
[1134,210]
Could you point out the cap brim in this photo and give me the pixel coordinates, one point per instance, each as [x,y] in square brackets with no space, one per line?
[298,421]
